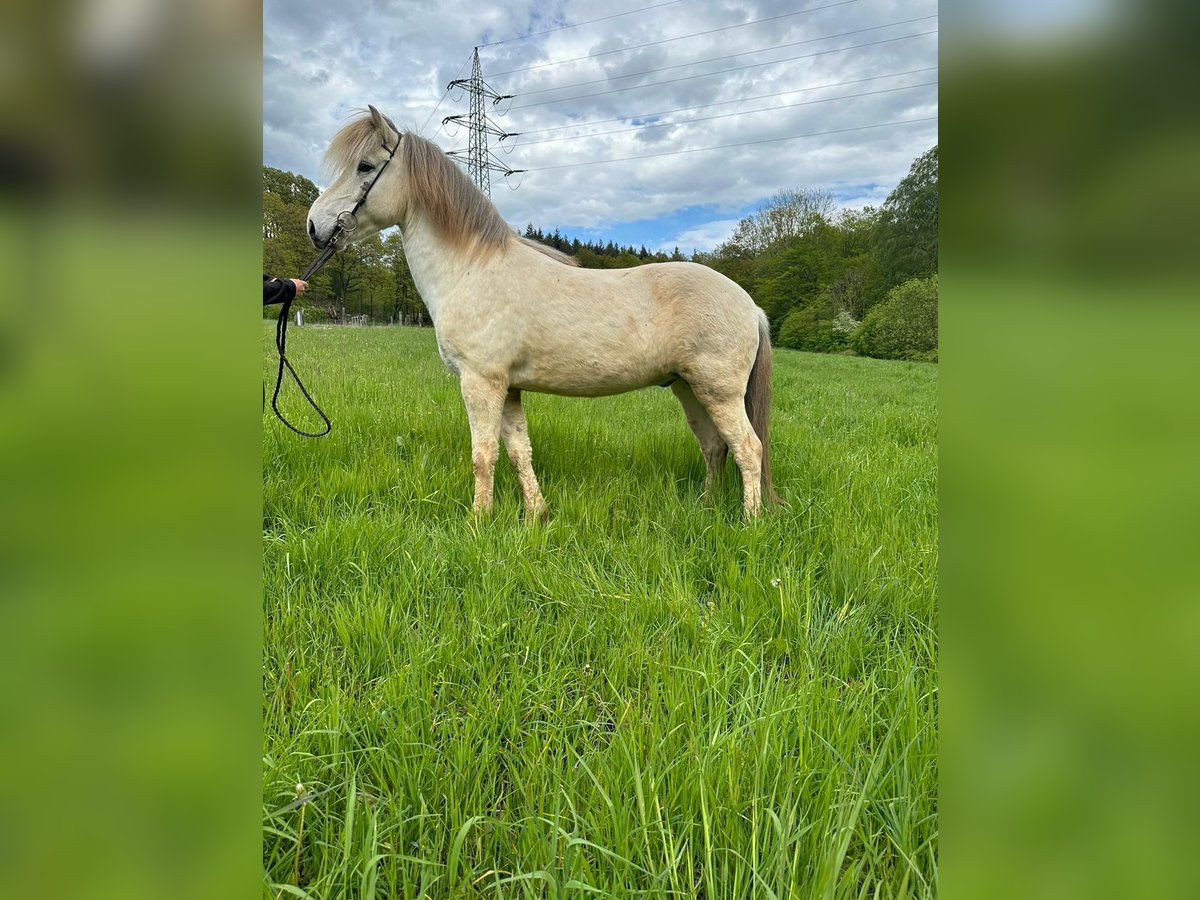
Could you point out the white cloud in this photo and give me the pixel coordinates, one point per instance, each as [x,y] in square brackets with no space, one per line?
[703,237]
[322,61]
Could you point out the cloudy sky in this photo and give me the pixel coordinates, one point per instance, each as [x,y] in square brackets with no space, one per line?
[856,78]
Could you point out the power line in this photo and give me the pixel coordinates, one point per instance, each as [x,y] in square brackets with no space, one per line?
[558,62]
[576,137]
[634,87]
[828,37]
[525,37]
[790,137]
[446,92]
[667,112]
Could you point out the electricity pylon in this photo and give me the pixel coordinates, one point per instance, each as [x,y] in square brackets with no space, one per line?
[481,162]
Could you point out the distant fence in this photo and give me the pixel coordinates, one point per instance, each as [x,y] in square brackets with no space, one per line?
[324,318]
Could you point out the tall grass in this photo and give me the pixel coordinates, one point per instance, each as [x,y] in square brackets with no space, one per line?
[642,697]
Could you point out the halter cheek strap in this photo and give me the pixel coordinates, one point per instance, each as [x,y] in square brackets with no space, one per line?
[353,212]
[347,220]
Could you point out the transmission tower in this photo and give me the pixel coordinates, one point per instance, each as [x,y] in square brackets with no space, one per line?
[481,162]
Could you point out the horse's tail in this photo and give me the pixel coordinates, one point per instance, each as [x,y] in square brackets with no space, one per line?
[758,403]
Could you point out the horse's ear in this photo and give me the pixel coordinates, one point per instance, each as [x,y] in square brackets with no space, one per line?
[382,123]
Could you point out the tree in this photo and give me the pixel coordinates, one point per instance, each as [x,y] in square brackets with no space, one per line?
[374,275]
[286,248]
[285,240]
[797,270]
[289,187]
[406,305]
[788,214]
[345,270]
[823,326]
[905,238]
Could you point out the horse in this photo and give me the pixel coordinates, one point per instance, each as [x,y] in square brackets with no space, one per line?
[512,315]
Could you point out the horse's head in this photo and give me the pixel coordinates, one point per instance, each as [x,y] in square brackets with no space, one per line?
[365,195]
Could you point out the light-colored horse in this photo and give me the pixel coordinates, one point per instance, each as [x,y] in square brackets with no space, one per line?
[511,315]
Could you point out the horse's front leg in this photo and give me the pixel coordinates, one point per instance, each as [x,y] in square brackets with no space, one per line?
[484,399]
[515,432]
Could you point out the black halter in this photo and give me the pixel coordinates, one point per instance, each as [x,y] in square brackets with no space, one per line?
[347,222]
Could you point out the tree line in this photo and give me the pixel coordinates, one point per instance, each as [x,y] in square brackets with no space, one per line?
[859,281]
[596,255]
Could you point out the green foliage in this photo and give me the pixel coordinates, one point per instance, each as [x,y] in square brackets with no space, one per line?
[289,187]
[816,274]
[643,697]
[905,325]
[830,257]
[787,215]
[905,239]
[805,329]
[819,328]
[368,277]
[799,268]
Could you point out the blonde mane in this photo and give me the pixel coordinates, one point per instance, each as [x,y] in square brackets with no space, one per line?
[458,211]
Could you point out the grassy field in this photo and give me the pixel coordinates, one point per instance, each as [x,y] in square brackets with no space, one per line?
[643,697]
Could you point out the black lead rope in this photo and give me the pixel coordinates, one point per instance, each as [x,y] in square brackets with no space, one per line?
[281,346]
[346,223]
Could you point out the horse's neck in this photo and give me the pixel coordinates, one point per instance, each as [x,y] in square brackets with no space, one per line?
[426,263]
[436,267]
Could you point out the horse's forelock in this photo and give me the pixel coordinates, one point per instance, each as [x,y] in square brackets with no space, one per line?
[350,145]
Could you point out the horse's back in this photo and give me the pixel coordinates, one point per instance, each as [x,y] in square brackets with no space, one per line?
[691,289]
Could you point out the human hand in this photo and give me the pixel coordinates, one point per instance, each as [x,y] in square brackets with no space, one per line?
[300,285]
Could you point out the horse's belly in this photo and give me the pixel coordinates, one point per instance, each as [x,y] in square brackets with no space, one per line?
[586,378]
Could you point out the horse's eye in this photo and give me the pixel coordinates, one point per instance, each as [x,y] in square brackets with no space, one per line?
[365,167]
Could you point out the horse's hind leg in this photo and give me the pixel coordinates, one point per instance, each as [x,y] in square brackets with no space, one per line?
[712,445]
[728,414]
[515,432]
[484,399]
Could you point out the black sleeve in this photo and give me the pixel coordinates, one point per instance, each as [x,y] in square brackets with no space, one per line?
[277,290]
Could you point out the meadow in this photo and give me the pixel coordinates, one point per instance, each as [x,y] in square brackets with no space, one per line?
[643,697]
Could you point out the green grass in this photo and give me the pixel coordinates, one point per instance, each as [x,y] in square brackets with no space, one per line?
[643,697]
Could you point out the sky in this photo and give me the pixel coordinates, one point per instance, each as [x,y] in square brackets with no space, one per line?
[809,104]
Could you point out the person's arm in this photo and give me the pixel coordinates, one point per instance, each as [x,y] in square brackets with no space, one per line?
[278,290]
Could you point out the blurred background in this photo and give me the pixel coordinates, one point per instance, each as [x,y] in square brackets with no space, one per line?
[130,395]
[130,353]
[1069,446]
